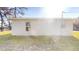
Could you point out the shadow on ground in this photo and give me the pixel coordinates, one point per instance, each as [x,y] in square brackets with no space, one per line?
[38,43]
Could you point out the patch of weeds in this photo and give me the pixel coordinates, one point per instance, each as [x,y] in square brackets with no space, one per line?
[2,41]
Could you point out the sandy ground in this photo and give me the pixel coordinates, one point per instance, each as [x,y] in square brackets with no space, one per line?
[38,43]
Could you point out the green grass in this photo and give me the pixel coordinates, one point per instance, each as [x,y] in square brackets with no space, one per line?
[34,43]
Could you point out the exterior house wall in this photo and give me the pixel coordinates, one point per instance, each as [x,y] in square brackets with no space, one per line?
[42,27]
[67,28]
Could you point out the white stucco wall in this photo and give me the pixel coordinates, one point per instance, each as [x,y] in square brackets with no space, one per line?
[42,27]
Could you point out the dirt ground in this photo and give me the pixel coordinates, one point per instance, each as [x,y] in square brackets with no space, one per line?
[38,43]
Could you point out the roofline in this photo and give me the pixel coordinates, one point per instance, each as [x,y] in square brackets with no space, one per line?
[40,18]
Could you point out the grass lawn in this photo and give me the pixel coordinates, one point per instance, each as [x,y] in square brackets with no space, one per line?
[38,43]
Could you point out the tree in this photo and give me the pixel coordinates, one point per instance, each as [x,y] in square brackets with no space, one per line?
[1,21]
[19,10]
[4,11]
[13,11]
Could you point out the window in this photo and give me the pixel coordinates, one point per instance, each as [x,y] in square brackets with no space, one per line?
[28,26]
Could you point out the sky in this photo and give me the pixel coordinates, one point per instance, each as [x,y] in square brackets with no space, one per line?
[53,9]
[71,12]
[42,12]
[34,12]
[49,12]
